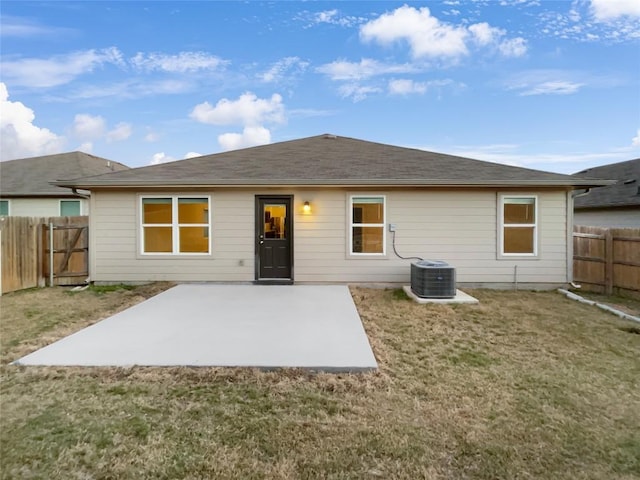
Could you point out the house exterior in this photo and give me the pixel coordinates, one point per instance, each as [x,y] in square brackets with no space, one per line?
[26,191]
[616,205]
[330,209]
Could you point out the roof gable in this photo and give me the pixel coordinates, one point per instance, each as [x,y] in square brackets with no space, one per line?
[32,176]
[327,160]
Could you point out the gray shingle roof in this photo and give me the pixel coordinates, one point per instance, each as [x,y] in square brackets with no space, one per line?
[625,192]
[328,160]
[32,176]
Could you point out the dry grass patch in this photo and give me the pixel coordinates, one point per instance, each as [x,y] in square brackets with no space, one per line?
[625,304]
[524,385]
[31,319]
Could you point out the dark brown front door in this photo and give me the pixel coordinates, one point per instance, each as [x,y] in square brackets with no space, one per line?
[274,238]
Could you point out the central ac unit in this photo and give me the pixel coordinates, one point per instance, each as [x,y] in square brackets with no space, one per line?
[433,279]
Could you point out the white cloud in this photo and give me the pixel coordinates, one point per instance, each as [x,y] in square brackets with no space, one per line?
[606,10]
[557,82]
[407,86]
[635,141]
[86,147]
[331,17]
[327,15]
[24,28]
[515,47]
[356,91]
[510,154]
[366,68]
[485,34]
[248,110]
[430,38]
[558,87]
[610,21]
[60,69]
[151,137]
[132,88]
[529,3]
[160,157]
[250,136]
[425,34]
[122,131]
[183,62]
[88,127]
[19,136]
[285,68]
[310,113]
[574,15]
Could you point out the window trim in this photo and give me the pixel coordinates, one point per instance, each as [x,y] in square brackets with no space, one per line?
[350,225]
[8,207]
[79,202]
[501,226]
[175,227]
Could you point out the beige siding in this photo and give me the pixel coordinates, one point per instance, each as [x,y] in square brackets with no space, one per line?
[460,227]
[456,226]
[115,233]
[41,207]
[618,218]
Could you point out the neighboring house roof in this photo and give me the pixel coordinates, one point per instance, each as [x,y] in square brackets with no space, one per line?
[331,161]
[624,193]
[31,177]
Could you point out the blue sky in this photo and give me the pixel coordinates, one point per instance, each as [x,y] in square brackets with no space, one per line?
[552,85]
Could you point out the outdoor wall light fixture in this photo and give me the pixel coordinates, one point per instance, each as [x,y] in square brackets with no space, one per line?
[306,208]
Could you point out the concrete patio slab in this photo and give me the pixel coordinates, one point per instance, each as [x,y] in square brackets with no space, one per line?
[460,297]
[311,327]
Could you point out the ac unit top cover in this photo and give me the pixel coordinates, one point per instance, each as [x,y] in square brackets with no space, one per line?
[431,263]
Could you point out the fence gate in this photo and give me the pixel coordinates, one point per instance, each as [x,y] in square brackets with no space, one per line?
[20,257]
[65,247]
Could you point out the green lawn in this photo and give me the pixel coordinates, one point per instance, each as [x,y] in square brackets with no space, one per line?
[524,385]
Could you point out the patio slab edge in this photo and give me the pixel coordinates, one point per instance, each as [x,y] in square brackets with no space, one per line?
[460,298]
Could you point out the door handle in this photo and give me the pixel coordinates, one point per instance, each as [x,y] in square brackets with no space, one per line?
[261,242]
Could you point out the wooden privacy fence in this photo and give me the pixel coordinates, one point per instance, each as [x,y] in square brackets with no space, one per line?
[607,260]
[31,257]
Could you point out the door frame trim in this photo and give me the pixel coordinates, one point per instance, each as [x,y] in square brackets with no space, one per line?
[256,232]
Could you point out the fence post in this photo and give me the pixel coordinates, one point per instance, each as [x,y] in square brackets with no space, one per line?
[40,249]
[51,254]
[608,261]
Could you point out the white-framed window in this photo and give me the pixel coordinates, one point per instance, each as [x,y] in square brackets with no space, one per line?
[4,208]
[175,225]
[518,225]
[70,208]
[367,235]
